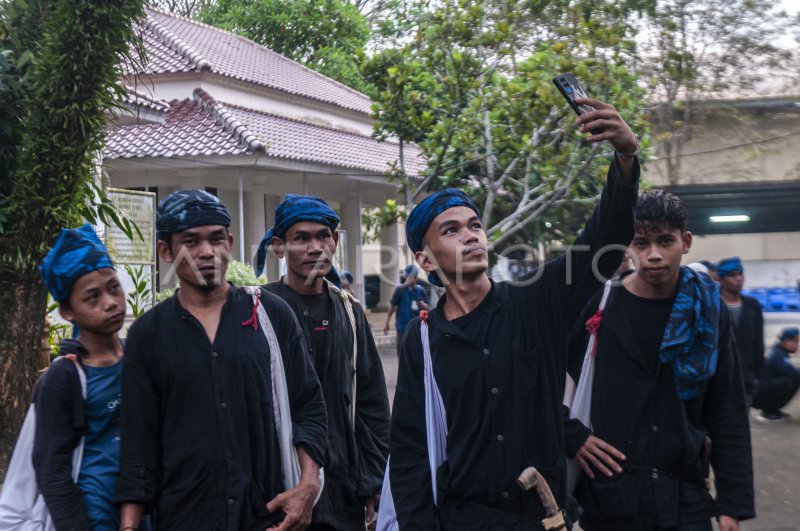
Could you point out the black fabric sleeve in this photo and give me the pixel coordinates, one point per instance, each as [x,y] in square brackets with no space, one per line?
[409,470]
[309,416]
[140,463]
[397,296]
[598,250]
[372,411]
[725,414]
[575,433]
[55,440]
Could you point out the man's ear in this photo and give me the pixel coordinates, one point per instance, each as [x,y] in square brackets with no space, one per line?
[277,246]
[425,260]
[66,312]
[164,252]
[687,241]
[335,239]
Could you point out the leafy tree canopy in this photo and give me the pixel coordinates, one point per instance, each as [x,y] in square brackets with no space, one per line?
[471,85]
[325,35]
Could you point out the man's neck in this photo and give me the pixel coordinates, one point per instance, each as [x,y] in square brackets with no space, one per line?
[192,297]
[465,296]
[302,286]
[731,298]
[102,349]
[642,289]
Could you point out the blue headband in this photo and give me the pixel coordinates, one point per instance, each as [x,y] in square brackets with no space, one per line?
[728,266]
[294,209]
[424,213]
[75,253]
[185,209]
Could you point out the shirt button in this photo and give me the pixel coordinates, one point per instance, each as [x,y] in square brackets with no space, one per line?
[655,428]
[228,456]
[214,354]
[486,351]
[231,501]
[223,405]
[505,494]
[500,437]
[305,312]
[655,475]
[495,390]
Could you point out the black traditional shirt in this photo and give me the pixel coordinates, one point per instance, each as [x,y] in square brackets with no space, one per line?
[199,436]
[636,409]
[356,457]
[502,388]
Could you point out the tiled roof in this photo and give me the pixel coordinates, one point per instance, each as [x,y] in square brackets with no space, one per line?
[141,99]
[204,126]
[177,44]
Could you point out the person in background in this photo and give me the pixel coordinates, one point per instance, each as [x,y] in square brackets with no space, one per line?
[408,300]
[780,379]
[199,433]
[347,280]
[711,267]
[80,276]
[748,321]
[353,383]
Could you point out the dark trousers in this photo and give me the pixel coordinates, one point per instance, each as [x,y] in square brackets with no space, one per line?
[771,395]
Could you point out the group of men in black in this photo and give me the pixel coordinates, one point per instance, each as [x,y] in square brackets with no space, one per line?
[199,445]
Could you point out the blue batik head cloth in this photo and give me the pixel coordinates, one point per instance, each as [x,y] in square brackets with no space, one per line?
[728,266]
[185,209]
[75,253]
[424,213]
[294,209]
[789,333]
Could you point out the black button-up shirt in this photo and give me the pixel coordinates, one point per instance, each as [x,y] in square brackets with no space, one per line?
[502,389]
[199,437]
[636,409]
[356,455]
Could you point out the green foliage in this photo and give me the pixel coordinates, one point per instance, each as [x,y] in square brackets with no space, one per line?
[695,50]
[55,98]
[140,297]
[374,220]
[472,87]
[241,274]
[325,35]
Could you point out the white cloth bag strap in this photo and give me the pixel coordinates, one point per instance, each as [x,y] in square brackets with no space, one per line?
[436,428]
[348,306]
[579,399]
[290,465]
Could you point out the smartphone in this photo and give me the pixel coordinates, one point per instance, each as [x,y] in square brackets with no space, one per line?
[570,88]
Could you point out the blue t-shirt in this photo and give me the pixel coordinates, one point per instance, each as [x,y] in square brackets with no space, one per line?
[100,463]
[407,301]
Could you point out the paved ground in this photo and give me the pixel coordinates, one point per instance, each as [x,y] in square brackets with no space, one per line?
[776,453]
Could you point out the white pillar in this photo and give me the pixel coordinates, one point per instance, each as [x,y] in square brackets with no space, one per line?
[242,254]
[255,223]
[351,222]
[272,201]
[390,265]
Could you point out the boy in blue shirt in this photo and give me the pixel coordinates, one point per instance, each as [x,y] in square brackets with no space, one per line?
[407,300]
[79,274]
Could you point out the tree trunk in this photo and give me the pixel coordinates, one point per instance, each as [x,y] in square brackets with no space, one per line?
[23,302]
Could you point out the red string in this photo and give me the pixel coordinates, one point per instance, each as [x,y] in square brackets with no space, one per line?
[423,315]
[253,321]
[592,326]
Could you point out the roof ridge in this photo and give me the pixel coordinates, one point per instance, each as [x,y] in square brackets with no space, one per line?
[228,121]
[175,43]
[305,122]
[257,45]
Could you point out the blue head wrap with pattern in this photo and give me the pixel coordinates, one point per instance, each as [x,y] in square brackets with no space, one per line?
[185,209]
[728,266]
[75,253]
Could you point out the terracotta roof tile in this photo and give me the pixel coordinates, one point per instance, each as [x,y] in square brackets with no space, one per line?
[204,126]
[177,44]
